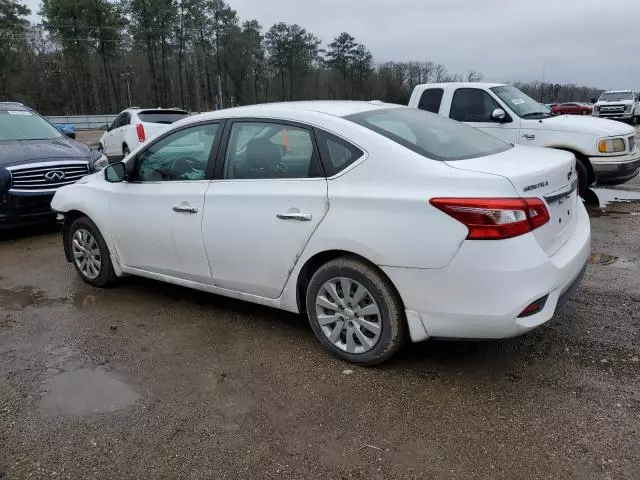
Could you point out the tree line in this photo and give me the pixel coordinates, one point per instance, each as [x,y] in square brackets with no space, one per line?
[99,56]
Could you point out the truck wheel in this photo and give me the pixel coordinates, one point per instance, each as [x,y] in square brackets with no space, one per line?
[583,178]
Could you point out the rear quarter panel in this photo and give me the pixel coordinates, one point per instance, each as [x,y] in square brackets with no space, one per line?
[380,209]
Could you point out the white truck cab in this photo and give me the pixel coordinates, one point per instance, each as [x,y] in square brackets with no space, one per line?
[618,105]
[605,150]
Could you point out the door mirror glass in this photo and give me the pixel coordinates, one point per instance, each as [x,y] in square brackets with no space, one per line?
[104,128]
[115,172]
[68,132]
[498,115]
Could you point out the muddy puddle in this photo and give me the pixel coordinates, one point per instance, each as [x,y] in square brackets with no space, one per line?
[18,298]
[87,391]
[597,258]
[21,297]
[603,201]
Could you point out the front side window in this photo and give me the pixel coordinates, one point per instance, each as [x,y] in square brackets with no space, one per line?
[181,156]
[472,105]
[431,135]
[25,125]
[431,100]
[269,150]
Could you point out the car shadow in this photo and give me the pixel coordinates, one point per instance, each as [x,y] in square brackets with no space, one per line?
[18,233]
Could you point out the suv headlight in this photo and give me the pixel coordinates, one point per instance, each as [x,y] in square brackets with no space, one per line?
[628,108]
[611,145]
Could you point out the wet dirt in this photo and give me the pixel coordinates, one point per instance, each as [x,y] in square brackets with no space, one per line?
[597,258]
[608,201]
[151,381]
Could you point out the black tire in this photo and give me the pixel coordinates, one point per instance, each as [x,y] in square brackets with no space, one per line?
[583,178]
[107,275]
[125,151]
[391,317]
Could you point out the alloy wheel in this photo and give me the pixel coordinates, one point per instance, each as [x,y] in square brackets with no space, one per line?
[86,253]
[348,315]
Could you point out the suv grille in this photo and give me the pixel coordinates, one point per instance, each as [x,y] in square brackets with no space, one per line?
[46,176]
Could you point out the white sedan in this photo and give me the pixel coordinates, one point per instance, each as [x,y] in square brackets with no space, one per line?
[377,221]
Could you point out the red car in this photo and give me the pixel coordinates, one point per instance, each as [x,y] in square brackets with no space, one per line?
[572,109]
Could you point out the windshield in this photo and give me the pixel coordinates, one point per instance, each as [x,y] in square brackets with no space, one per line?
[615,96]
[429,134]
[25,125]
[151,116]
[521,104]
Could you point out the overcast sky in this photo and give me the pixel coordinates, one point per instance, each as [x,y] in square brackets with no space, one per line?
[589,42]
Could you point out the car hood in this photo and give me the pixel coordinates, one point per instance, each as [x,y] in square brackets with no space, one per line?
[578,124]
[15,152]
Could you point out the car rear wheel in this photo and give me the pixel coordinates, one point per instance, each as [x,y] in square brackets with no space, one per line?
[355,312]
[89,253]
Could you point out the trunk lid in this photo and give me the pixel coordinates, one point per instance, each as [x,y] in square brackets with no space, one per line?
[537,173]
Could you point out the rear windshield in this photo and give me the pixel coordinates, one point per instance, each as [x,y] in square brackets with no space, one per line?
[429,134]
[25,125]
[160,116]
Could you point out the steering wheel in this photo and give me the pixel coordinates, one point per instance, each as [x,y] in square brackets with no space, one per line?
[185,165]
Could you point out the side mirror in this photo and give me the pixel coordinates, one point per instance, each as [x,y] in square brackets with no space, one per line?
[498,115]
[115,172]
[69,133]
[104,128]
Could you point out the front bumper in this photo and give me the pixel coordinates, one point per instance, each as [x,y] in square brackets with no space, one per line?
[615,170]
[481,293]
[625,116]
[25,208]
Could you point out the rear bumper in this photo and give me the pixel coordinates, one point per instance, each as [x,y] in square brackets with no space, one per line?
[25,208]
[615,170]
[481,293]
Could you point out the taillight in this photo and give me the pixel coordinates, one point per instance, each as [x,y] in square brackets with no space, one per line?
[140,132]
[495,218]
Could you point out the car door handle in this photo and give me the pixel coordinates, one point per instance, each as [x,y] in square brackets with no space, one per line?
[529,136]
[301,217]
[183,208]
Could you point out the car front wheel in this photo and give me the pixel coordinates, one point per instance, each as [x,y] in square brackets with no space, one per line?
[355,312]
[89,253]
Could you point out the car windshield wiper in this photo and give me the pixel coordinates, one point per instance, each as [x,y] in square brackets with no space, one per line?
[536,115]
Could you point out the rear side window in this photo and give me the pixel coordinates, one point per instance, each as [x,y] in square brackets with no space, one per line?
[431,135]
[160,116]
[337,154]
[431,100]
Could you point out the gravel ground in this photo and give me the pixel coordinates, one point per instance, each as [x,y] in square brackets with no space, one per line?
[152,381]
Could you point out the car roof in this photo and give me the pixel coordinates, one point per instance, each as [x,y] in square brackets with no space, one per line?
[335,108]
[463,84]
[5,106]
[618,91]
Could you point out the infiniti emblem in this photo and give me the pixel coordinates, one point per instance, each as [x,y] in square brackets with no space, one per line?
[54,176]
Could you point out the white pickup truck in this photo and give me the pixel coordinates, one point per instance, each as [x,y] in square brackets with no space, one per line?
[618,105]
[605,150]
